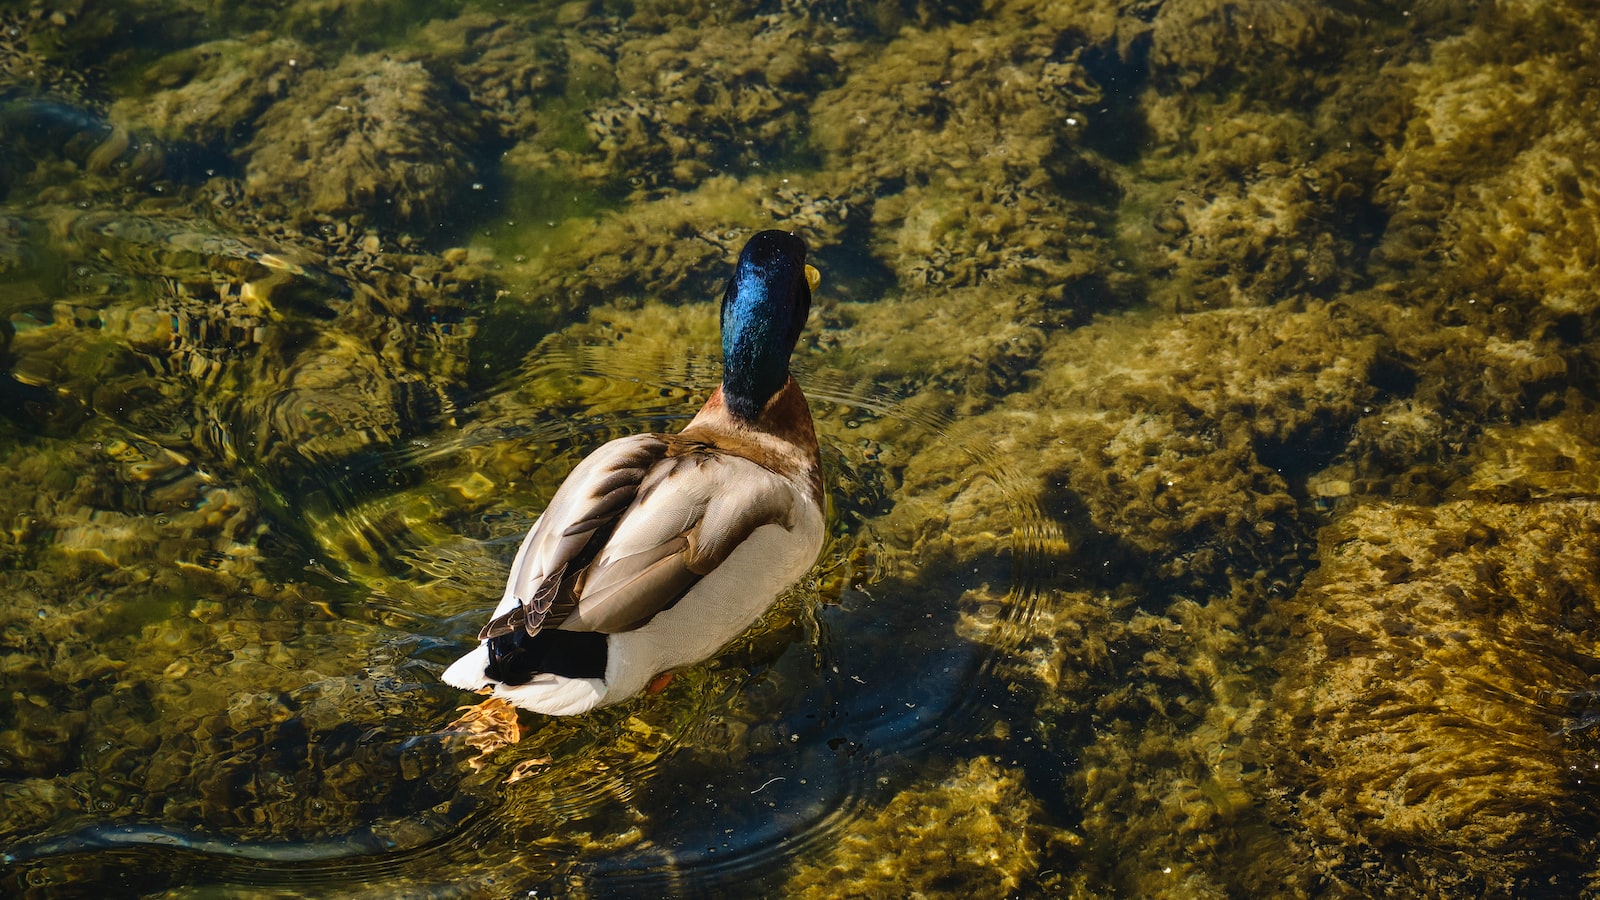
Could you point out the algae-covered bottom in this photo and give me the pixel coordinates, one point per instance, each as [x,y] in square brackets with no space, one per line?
[282,726]
[1205,390]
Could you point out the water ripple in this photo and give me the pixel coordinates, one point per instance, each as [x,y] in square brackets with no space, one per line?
[877,664]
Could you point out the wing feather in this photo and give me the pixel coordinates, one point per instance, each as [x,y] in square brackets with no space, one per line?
[632,530]
[541,590]
[695,508]
[730,520]
[629,592]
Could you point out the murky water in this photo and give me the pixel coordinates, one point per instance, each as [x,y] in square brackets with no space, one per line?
[1203,387]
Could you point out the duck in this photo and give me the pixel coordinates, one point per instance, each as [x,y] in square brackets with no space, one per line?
[658,550]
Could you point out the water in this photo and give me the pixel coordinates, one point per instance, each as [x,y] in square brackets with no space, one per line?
[1202,395]
[764,753]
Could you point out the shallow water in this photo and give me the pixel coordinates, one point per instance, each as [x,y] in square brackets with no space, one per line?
[1204,390]
[769,752]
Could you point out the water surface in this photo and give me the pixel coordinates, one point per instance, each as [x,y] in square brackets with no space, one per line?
[1204,391]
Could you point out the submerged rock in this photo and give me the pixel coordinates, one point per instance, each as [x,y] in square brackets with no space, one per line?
[702,99]
[269,445]
[1208,41]
[212,93]
[1437,706]
[963,134]
[975,834]
[374,135]
[510,66]
[1171,447]
[1488,175]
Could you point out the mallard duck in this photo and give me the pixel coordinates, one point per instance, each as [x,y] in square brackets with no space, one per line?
[659,549]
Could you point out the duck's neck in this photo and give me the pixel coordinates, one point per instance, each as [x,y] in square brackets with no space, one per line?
[783,429]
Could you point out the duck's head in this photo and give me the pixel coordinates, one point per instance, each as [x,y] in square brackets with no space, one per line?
[763,312]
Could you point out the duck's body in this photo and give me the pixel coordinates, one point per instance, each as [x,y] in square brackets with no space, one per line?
[659,549]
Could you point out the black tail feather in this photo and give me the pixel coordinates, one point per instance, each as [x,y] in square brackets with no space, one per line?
[516,656]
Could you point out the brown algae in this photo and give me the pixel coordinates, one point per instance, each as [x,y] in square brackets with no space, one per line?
[1204,385]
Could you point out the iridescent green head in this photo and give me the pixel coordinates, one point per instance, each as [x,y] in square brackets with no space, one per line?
[763,312]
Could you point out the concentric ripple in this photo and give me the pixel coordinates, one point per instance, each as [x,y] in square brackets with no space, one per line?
[876,667]
[837,697]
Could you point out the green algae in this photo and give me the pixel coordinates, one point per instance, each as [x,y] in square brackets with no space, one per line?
[1216,371]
